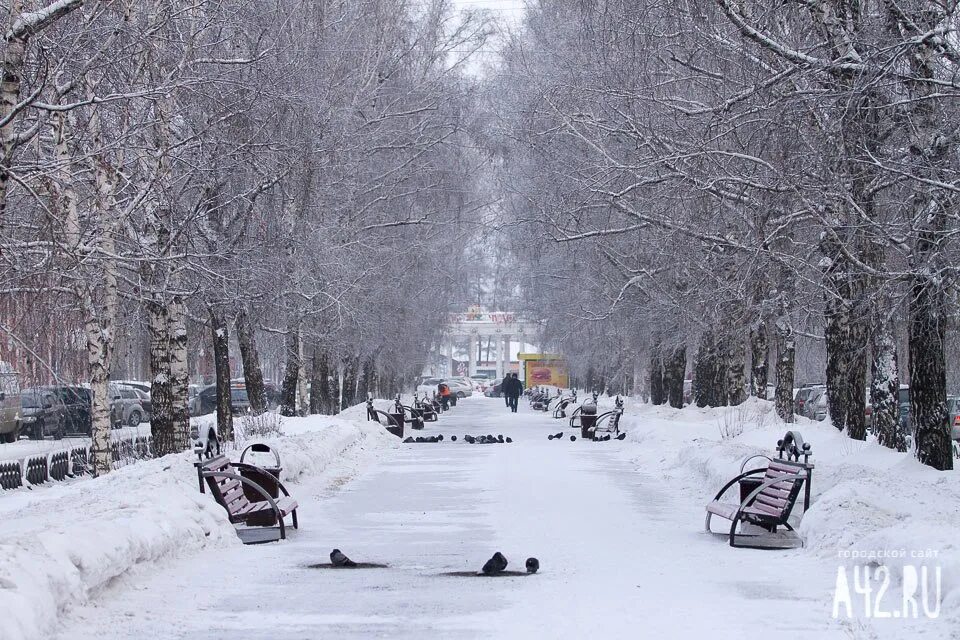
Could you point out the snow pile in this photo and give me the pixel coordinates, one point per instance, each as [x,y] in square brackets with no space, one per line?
[62,545]
[870,505]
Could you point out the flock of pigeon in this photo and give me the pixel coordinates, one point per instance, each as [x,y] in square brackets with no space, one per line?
[496,564]
[487,439]
[603,438]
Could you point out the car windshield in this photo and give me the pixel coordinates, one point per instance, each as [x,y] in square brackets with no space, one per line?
[30,400]
[904,396]
[238,395]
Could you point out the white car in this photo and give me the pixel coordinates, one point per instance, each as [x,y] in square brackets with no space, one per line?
[460,387]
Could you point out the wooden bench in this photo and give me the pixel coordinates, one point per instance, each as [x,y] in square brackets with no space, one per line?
[767,506]
[226,484]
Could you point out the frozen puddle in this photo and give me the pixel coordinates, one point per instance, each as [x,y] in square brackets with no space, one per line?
[622,555]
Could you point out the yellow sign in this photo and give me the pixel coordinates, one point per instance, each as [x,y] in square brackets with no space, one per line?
[545,369]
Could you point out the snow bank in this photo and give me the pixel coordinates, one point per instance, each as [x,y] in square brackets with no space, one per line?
[870,505]
[62,545]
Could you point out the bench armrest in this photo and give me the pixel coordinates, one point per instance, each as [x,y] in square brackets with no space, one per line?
[248,482]
[247,465]
[736,480]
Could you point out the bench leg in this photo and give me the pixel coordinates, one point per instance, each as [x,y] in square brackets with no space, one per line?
[706,523]
[294,514]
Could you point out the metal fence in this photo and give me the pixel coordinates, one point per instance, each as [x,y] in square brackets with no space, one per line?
[69,462]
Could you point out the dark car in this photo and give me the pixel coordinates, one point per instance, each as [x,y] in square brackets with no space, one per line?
[78,406]
[42,413]
[206,400]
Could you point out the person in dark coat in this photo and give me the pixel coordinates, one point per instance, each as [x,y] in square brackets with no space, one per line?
[513,390]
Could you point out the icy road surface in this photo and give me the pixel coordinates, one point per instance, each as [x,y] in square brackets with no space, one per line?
[621,551]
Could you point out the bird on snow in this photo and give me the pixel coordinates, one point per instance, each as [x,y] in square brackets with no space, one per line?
[550,437]
[409,439]
[622,436]
[440,438]
[573,438]
[533,565]
[509,439]
[500,438]
[337,559]
[453,438]
[469,439]
[495,564]
[559,435]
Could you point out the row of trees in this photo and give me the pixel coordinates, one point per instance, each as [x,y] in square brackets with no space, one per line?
[224,172]
[741,178]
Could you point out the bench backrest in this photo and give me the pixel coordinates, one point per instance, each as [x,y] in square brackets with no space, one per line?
[778,499]
[226,491]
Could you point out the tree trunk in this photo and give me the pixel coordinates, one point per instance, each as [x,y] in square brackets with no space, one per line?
[291,376]
[348,383]
[657,391]
[179,375]
[786,356]
[252,374]
[303,400]
[675,369]
[220,331]
[759,346]
[316,382]
[711,383]
[932,145]
[161,396]
[885,383]
[736,355]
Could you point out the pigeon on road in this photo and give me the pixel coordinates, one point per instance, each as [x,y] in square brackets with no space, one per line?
[533,565]
[495,564]
[337,559]
[573,438]
[622,436]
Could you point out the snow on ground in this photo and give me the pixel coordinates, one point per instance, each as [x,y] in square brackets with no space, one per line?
[870,506]
[617,527]
[67,543]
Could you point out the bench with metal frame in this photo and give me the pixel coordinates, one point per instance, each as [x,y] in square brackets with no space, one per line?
[767,498]
[227,484]
[562,402]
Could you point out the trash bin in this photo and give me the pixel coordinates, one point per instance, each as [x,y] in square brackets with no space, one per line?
[266,477]
[748,485]
[588,420]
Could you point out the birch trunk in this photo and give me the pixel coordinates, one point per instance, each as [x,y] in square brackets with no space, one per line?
[318,381]
[291,376]
[885,385]
[179,374]
[759,348]
[932,145]
[221,361]
[786,357]
[161,387]
[10,81]
[736,355]
[252,373]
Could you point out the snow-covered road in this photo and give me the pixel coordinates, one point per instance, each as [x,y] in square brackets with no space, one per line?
[621,553]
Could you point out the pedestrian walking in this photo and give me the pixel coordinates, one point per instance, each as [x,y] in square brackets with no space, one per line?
[513,388]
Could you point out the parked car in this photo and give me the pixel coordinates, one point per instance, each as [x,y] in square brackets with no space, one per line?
[817,404]
[953,408]
[9,404]
[205,401]
[803,395]
[428,386]
[77,406]
[42,413]
[460,386]
[125,406]
[495,390]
